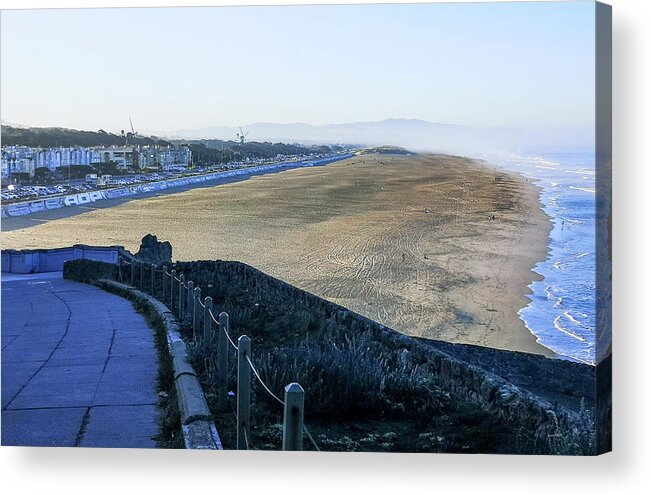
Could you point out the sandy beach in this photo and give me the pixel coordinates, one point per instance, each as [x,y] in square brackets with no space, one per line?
[433,246]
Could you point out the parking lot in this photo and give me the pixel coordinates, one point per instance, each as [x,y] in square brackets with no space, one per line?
[15,193]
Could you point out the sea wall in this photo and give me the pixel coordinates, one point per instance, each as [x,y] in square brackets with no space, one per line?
[52,260]
[541,395]
[83,198]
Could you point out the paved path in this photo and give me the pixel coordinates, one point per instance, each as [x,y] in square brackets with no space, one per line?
[78,366]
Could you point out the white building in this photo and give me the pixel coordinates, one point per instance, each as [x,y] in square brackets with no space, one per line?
[122,156]
[17,160]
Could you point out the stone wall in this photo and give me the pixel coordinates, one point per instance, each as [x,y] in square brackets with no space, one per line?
[469,373]
[525,396]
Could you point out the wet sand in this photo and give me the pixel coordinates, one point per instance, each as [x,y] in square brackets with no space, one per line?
[433,246]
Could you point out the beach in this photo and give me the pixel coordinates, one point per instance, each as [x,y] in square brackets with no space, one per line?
[433,246]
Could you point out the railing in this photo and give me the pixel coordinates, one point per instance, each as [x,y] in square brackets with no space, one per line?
[185,301]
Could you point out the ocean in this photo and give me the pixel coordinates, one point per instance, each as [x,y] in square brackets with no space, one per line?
[562,308]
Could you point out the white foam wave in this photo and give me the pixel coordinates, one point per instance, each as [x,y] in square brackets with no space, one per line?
[586,189]
[566,331]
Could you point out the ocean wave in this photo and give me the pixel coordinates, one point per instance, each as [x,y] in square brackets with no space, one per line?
[586,189]
[581,171]
[560,311]
[569,316]
[550,294]
[558,326]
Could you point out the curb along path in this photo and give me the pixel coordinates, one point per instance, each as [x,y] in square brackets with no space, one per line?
[79,366]
[199,431]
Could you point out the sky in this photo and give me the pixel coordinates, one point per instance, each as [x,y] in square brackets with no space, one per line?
[521,65]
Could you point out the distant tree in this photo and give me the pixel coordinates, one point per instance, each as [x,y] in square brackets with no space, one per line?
[46,137]
[108,168]
[75,171]
[42,175]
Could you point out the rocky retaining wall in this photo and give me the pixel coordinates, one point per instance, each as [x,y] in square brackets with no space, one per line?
[463,380]
[468,373]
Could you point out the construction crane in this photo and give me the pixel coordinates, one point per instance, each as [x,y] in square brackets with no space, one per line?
[134,150]
[127,135]
[241,136]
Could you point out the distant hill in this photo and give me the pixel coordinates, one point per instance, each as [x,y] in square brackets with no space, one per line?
[398,132]
[47,137]
[208,151]
[412,134]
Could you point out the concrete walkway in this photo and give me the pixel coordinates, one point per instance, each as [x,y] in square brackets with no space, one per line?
[79,366]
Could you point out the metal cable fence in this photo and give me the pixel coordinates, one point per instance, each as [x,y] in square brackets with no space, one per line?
[184,299]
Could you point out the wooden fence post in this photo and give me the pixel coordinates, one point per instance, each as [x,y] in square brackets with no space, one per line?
[293,417]
[153,278]
[142,275]
[181,288]
[243,392]
[172,280]
[132,264]
[222,363]
[196,315]
[120,270]
[207,323]
[188,299]
[164,283]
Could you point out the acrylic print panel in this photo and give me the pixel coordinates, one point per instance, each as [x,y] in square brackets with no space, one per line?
[378,228]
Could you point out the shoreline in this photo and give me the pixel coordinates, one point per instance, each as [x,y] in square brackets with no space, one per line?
[536,188]
[406,241]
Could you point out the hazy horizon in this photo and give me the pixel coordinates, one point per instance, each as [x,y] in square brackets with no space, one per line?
[525,66]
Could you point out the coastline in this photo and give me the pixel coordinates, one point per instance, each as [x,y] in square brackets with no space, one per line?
[407,241]
[561,310]
[540,246]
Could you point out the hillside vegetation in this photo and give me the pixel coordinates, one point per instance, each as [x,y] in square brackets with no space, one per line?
[49,137]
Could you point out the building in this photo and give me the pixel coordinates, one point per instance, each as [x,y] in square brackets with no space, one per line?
[17,161]
[122,156]
[164,157]
[20,160]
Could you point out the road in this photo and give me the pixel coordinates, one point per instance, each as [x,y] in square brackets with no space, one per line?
[79,366]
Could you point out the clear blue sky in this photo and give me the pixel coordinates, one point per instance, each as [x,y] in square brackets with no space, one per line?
[511,64]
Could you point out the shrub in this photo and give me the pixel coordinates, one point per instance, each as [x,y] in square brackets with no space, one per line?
[351,380]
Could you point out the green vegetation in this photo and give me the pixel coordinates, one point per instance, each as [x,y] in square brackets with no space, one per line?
[212,151]
[388,150]
[51,137]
